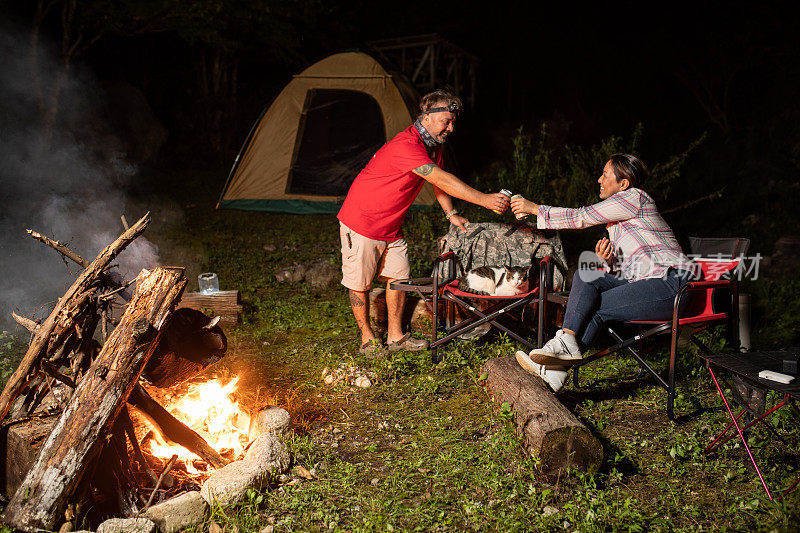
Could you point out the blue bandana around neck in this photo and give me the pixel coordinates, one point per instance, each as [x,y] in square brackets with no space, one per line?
[427,138]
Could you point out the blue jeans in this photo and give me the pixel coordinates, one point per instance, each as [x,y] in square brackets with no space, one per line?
[597,297]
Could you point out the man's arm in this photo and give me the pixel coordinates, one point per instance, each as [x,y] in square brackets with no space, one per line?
[455,187]
[446,202]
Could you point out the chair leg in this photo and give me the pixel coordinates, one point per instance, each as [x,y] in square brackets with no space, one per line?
[434,326]
[673,353]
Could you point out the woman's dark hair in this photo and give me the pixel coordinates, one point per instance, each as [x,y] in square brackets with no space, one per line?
[629,167]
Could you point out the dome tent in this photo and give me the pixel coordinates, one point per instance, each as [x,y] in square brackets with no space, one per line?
[304,151]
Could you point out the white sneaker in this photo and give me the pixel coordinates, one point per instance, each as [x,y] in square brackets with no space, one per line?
[554,376]
[560,350]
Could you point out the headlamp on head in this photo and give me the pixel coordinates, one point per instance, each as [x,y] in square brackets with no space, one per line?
[452,107]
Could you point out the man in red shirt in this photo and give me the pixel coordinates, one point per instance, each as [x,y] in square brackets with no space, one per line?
[373,212]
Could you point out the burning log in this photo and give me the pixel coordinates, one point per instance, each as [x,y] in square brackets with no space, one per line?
[64,313]
[173,429]
[99,397]
[549,429]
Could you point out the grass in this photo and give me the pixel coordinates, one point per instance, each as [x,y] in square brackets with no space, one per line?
[425,448]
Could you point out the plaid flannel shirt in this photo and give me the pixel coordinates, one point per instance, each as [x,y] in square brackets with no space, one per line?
[644,246]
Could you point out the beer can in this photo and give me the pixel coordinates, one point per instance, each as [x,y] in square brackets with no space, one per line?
[520,216]
[506,193]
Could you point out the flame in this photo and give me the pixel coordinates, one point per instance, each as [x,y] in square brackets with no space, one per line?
[208,409]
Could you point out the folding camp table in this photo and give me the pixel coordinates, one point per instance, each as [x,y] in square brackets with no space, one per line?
[746,366]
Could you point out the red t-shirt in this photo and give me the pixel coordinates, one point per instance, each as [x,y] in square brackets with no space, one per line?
[381,194]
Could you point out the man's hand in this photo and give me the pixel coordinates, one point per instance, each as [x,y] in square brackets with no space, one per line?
[604,249]
[520,205]
[459,222]
[495,202]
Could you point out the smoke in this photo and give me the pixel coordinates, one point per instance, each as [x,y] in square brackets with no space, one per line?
[70,188]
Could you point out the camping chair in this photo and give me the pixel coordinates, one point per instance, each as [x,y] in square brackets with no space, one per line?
[487,244]
[497,307]
[713,301]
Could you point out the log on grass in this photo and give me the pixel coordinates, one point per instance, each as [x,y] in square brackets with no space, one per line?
[78,435]
[550,431]
[41,340]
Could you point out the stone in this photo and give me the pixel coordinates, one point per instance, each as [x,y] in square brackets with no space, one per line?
[270,420]
[268,453]
[127,525]
[363,382]
[292,274]
[322,274]
[178,513]
[229,484]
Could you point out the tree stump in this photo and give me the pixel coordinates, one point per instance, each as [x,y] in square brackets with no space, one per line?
[40,501]
[549,430]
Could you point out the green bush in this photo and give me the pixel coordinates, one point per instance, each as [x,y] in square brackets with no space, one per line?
[567,175]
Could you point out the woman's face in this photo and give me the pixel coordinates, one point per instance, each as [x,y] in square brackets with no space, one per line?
[609,185]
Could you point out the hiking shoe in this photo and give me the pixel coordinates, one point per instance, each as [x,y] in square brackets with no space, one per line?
[409,343]
[560,350]
[373,348]
[554,375]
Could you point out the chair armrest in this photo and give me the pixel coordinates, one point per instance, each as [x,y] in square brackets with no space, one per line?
[444,257]
[708,284]
[546,265]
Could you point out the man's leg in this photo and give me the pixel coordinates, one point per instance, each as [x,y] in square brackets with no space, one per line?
[359,302]
[360,257]
[394,265]
[395,302]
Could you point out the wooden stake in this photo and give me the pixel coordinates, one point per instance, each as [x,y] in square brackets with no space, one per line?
[97,401]
[40,342]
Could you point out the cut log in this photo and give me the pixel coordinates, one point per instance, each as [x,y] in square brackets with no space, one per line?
[225,304]
[41,340]
[549,430]
[190,343]
[174,430]
[98,399]
[20,443]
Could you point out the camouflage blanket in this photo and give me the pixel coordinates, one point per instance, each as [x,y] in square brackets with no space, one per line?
[496,244]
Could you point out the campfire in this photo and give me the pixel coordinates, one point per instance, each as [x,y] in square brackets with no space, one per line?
[209,408]
[107,413]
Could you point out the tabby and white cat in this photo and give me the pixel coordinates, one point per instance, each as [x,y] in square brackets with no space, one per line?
[495,281]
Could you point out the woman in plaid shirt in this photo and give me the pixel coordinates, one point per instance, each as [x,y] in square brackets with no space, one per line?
[644,266]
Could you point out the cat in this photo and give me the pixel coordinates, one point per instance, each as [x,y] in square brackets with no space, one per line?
[495,281]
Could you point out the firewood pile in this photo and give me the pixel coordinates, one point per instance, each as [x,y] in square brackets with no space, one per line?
[81,373]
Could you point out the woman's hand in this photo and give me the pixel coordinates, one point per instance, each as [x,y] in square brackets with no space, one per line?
[459,222]
[604,250]
[495,202]
[520,205]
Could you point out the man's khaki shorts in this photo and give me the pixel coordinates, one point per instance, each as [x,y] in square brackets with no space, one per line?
[362,258]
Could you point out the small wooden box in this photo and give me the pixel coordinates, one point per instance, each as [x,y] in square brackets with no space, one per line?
[226,304]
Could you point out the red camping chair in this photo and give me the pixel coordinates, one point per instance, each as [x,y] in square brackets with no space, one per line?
[497,308]
[714,301]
